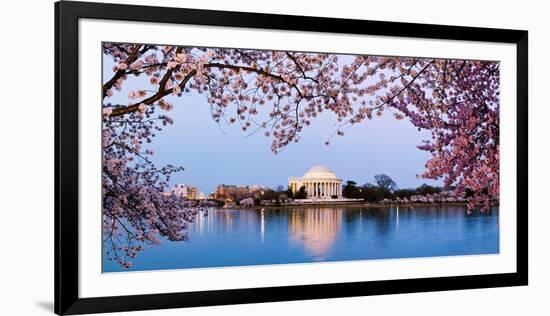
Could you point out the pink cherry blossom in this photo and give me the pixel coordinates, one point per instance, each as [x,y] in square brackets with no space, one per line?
[457,101]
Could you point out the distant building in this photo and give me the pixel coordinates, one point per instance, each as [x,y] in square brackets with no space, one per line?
[320,183]
[235,193]
[224,191]
[192,193]
[185,191]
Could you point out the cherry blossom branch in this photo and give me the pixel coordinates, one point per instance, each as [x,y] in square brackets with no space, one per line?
[121,72]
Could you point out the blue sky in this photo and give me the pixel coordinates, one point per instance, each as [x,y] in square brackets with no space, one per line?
[213,154]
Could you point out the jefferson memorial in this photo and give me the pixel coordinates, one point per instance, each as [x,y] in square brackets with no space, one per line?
[320,183]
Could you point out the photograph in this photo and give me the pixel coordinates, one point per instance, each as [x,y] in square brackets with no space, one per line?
[222,157]
[275,158]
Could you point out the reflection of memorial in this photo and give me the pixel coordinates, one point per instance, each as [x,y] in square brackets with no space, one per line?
[317,229]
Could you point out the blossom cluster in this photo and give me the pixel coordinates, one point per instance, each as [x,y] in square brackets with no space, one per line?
[281,93]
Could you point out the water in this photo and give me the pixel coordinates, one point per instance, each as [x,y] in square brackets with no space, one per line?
[287,235]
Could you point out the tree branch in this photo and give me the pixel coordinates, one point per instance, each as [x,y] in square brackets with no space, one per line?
[121,72]
[162,93]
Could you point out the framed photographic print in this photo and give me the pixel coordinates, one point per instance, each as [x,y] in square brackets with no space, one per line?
[208,157]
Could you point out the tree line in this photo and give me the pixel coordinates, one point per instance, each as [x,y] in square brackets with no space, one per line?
[384,187]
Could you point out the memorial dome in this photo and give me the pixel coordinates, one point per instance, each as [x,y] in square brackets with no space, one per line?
[319,172]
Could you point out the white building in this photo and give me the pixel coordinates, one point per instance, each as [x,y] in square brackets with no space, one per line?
[320,183]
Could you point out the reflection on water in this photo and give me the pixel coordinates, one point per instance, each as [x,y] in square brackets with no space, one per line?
[316,229]
[287,235]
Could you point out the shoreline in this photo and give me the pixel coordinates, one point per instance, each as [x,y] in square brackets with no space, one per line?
[348,205]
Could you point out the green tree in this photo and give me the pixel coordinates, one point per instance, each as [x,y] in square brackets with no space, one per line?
[427,189]
[350,190]
[404,193]
[384,181]
[270,195]
[289,193]
[301,194]
[371,193]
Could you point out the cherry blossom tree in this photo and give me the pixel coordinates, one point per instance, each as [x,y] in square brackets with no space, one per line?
[247,202]
[136,210]
[280,93]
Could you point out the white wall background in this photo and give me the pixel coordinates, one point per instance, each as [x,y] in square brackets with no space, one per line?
[26,156]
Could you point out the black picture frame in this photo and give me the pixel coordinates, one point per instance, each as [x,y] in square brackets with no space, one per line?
[67,15]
